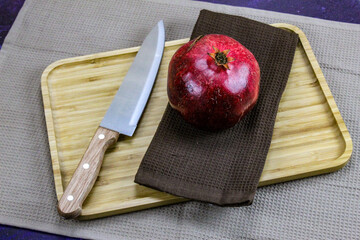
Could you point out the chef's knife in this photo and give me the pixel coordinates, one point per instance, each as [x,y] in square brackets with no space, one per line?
[121,118]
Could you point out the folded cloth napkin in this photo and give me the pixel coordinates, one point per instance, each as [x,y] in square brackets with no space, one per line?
[223,167]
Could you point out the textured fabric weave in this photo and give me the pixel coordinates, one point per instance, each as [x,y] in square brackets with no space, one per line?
[223,167]
[322,207]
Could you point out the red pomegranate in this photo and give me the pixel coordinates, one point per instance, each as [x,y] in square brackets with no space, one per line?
[213,81]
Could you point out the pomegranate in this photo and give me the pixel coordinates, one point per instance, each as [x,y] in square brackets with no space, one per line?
[213,81]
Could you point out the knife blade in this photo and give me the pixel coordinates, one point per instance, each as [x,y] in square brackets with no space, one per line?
[121,118]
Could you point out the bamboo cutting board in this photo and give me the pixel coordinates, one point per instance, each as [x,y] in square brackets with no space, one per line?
[309,138]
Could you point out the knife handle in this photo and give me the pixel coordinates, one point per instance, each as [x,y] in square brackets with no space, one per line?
[83,179]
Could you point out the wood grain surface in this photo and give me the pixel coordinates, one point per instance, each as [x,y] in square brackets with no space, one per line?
[309,138]
[83,179]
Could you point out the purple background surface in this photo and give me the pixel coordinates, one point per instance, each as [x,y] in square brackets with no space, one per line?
[344,11]
[8,12]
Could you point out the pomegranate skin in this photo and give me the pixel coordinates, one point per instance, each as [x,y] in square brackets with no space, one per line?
[213,81]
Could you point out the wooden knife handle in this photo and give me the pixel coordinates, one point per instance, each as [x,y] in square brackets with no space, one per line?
[83,179]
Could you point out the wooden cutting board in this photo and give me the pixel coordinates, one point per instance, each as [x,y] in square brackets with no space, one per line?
[309,138]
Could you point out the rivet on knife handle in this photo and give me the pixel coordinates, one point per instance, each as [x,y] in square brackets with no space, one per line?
[81,183]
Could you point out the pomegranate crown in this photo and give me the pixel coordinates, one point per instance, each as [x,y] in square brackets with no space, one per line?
[221,58]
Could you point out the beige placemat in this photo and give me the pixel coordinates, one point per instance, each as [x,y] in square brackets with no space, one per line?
[324,207]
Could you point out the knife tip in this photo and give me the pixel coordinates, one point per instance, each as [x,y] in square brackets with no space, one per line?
[161,23]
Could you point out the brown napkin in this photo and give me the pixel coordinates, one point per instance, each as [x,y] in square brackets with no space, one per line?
[223,167]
